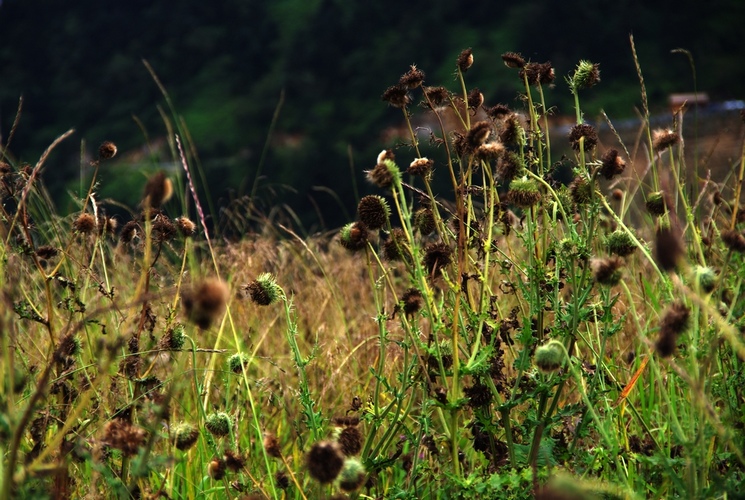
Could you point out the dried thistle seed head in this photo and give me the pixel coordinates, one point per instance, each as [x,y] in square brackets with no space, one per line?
[384,174]
[106,150]
[475,99]
[234,460]
[205,302]
[264,290]
[459,144]
[350,440]
[524,192]
[324,461]
[435,96]
[656,205]
[158,190]
[420,167]
[386,154]
[397,96]
[46,252]
[498,111]
[611,164]
[583,133]
[513,60]
[437,256]
[489,151]
[173,339]
[124,436]
[734,240]
[412,78]
[478,134]
[705,279]
[673,323]
[607,271]
[281,480]
[509,167]
[186,227]
[663,139]
[668,249]
[238,361]
[129,232]
[271,445]
[581,190]
[185,436]
[352,475]
[84,224]
[218,424]
[396,246]
[353,236]
[479,395]
[585,76]
[373,211]
[538,73]
[69,346]
[424,221]
[549,357]
[107,225]
[620,243]
[216,468]
[5,169]
[510,130]
[465,60]
[163,229]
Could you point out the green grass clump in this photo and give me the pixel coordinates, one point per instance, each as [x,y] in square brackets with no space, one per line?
[511,338]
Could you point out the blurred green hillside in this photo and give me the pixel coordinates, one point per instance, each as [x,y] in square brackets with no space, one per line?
[226,64]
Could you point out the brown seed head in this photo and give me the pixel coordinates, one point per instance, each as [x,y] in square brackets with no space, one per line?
[465,60]
[508,167]
[397,96]
[412,300]
[381,175]
[498,111]
[84,224]
[216,468]
[129,232]
[185,436]
[734,240]
[186,227]
[354,236]
[673,323]
[122,435]
[436,95]
[424,221]
[324,461]
[234,461]
[205,302]
[396,246]
[271,445]
[663,139]
[437,256]
[46,252]
[513,60]
[580,131]
[421,167]
[373,211]
[479,133]
[163,229]
[489,151]
[538,73]
[107,150]
[475,99]
[607,271]
[668,248]
[158,190]
[611,164]
[350,440]
[412,78]
[510,130]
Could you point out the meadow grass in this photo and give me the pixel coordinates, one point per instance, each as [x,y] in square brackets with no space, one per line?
[520,337]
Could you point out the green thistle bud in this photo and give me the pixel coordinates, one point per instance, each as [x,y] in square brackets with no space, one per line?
[705,279]
[585,76]
[524,192]
[218,424]
[264,290]
[353,236]
[173,339]
[549,357]
[619,242]
[352,476]
[238,361]
[185,436]
[656,204]
[424,221]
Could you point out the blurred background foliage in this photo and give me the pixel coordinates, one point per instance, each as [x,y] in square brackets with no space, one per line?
[226,64]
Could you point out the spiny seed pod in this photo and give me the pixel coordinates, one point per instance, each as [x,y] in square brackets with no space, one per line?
[498,111]
[585,132]
[129,232]
[412,78]
[656,205]
[324,461]
[122,435]
[549,357]
[611,164]
[158,190]
[489,151]
[607,271]
[734,240]
[84,224]
[437,256]
[581,190]
[218,424]
[673,323]
[397,96]
[478,134]
[350,440]
[396,246]
[436,95]
[186,227]
[106,150]
[424,221]
[475,99]
[663,139]
[352,476]
[465,60]
[234,461]
[173,339]
[106,225]
[353,236]
[620,243]
[509,167]
[205,302]
[538,73]
[420,167]
[585,76]
[46,252]
[513,60]
[238,361]
[384,174]
[163,229]
[524,192]
[373,211]
[705,279]
[271,445]
[510,130]
[264,290]
[216,469]
[668,249]
[185,436]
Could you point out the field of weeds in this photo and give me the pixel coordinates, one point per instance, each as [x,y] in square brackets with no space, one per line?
[515,337]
